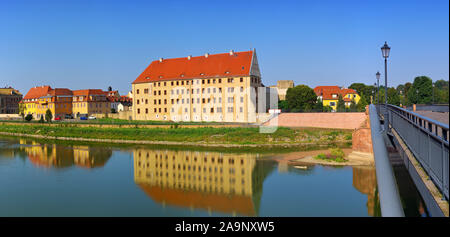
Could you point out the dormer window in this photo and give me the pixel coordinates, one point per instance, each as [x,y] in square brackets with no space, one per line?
[202,74]
[160,76]
[147,78]
[227,72]
[182,75]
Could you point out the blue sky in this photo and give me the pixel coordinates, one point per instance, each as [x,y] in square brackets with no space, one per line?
[96,44]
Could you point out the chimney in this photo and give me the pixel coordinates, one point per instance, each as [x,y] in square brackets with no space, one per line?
[206,55]
[189,57]
[231,52]
[160,59]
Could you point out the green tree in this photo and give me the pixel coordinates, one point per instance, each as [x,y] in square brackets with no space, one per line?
[393,96]
[48,115]
[362,104]
[353,106]
[22,110]
[421,91]
[41,120]
[318,107]
[340,107]
[29,117]
[301,98]
[283,105]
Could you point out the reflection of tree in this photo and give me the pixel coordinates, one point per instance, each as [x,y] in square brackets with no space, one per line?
[229,183]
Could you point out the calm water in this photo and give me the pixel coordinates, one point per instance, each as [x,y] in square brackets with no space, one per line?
[47,179]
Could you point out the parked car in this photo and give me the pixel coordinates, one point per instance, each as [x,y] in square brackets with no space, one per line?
[68,116]
[83,118]
[57,118]
[92,117]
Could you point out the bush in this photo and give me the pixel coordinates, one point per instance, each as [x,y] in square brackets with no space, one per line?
[29,117]
[48,115]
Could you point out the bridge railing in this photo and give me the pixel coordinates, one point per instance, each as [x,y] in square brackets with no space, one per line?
[427,139]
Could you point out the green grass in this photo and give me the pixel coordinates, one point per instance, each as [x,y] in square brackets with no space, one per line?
[210,135]
[335,155]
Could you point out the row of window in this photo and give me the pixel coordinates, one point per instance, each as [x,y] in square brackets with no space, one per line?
[194,110]
[204,81]
[203,101]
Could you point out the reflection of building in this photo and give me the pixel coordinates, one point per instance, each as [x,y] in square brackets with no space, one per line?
[365,181]
[90,157]
[53,155]
[229,183]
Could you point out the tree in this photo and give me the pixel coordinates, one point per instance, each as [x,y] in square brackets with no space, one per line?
[113,111]
[41,120]
[283,105]
[300,98]
[29,117]
[353,106]
[318,107]
[48,115]
[393,96]
[341,105]
[362,104]
[421,91]
[22,110]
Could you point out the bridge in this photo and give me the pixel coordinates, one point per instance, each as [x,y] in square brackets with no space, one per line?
[422,144]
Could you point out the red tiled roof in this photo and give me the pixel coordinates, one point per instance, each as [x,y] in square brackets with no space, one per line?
[37,92]
[87,92]
[59,91]
[215,65]
[348,91]
[222,203]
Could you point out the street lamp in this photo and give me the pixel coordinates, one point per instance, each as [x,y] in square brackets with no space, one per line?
[378,85]
[385,52]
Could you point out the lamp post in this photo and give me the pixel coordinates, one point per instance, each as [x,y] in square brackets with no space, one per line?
[385,52]
[378,85]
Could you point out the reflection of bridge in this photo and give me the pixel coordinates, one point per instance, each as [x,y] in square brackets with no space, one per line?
[228,183]
[422,144]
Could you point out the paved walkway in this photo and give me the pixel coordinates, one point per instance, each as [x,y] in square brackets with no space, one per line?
[441,117]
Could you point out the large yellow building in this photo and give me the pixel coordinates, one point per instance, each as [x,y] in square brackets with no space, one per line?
[228,183]
[218,87]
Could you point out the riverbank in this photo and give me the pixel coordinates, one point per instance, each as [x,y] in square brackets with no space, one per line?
[201,136]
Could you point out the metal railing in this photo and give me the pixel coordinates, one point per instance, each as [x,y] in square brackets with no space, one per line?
[390,203]
[427,139]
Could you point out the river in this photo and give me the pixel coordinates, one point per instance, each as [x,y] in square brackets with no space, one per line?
[47,178]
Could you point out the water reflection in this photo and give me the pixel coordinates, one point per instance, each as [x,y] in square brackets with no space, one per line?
[227,183]
[365,181]
[62,156]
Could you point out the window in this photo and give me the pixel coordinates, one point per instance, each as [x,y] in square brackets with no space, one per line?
[145,91]
[332,103]
[139,111]
[146,101]
[241,109]
[137,91]
[242,79]
[146,111]
[242,99]
[137,101]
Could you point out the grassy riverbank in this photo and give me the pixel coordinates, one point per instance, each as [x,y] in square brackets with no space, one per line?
[201,135]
